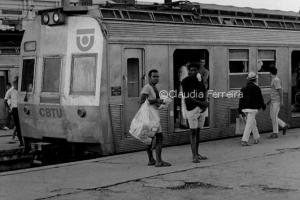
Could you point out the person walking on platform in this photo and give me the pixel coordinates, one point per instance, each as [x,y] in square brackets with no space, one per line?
[151,93]
[12,95]
[249,105]
[196,104]
[276,100]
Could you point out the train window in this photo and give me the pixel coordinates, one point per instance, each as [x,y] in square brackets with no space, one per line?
[258,23]
[177,18]
[133,77]
[83,79]
[51,75]
[266,59]
[202,20]
[239,22]
[139,15]
[27,75]
[107,13]
[242,14]
[228,21]
[215,20]
[210,12]
[247,22]
[297,25]
[274,24]
[163,17]
[238,67]
[118,14]
[188,18]
[289,25]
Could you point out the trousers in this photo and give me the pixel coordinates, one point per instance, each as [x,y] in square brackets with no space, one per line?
[274,110]
[250,125]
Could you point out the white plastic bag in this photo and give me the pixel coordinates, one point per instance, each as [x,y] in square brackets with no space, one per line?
[240,125]
[145,123]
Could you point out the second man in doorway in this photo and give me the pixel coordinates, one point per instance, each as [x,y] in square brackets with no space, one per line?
[196,104]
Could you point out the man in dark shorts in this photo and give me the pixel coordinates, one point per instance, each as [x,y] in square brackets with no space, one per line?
[151,93]
[196,104]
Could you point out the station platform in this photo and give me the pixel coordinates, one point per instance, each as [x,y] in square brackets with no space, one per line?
[62,179]
[6,141]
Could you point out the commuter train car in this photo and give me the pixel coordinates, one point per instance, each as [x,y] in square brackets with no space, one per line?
[83,69]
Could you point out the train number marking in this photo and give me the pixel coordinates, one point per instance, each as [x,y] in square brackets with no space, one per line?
[50,112]
[85,39]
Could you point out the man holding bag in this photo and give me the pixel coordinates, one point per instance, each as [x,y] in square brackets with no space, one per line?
[150,93]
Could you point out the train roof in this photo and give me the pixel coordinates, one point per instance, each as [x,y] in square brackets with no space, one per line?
[186,12]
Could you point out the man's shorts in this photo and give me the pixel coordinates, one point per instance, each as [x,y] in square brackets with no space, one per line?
[195,118]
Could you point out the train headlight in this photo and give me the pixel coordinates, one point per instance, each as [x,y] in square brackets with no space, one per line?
[45,18]
[53,17]
[58,17]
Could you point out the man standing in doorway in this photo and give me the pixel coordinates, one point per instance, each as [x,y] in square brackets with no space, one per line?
[276,100]
[196,104]
[151,93]
[12,95]
[250,103]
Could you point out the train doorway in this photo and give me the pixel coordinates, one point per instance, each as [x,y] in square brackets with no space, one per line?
[295,70]
[181,58]
[3,81]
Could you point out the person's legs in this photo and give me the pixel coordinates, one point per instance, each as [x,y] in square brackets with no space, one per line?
[274,110]
[158,150]
[255,132]
[17,124]
[200,157]
[150,155]
[248,127]
[193,140]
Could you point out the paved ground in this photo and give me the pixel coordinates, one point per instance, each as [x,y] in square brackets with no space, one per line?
[6,141]
[269,170]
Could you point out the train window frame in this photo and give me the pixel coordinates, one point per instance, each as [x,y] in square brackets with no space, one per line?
[46,93]
[259,60]
[33,77]
[235,74]
[83,93]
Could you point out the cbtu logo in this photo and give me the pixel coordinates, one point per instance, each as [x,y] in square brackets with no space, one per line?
[85,39]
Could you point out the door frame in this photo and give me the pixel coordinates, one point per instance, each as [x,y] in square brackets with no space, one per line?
[131,52]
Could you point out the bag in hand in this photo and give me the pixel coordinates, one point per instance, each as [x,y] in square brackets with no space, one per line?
[240,125]
[145,123]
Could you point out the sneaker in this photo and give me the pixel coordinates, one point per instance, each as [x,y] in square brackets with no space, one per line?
[256,141]
[273,136]
[285,128]
[5,128]
[244,143]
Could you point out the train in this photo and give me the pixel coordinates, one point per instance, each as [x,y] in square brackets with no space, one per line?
[83,68]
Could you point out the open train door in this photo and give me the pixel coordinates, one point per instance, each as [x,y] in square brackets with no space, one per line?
[3,110]
[132,83]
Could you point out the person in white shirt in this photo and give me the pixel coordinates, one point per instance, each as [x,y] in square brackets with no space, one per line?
[276,100]
[7,104]
[12,96]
